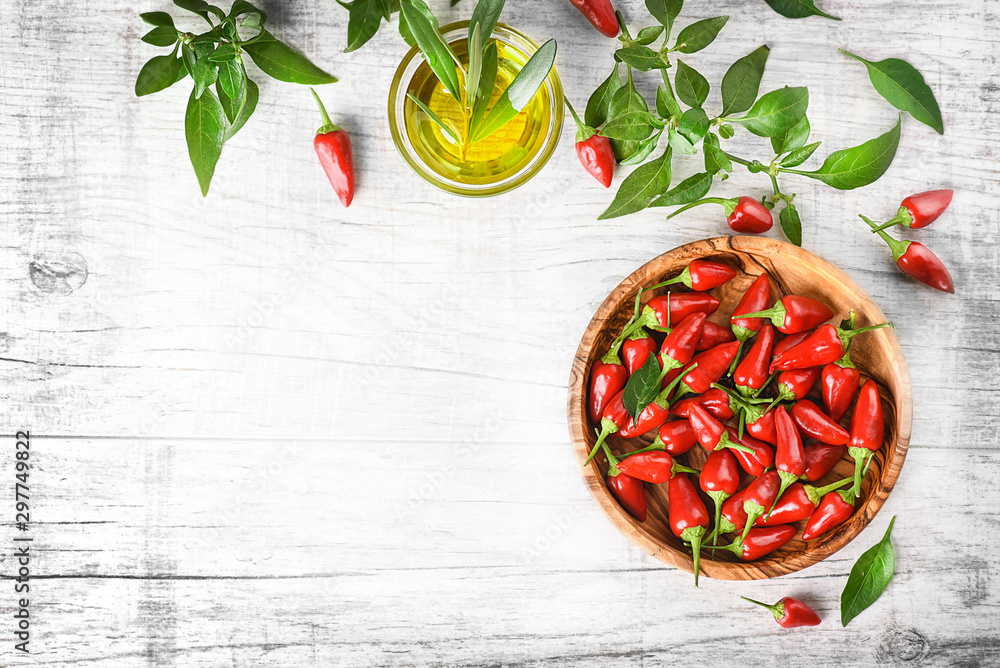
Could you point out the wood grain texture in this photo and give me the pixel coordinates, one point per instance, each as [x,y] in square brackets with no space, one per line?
[791,270]
[281,433]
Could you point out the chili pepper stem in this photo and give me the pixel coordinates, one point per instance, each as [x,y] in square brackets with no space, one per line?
[786,480]
[861,457]
[728,204]
[328,125]
[656,446]
[608,427]
[694,535]
[752,516]
[902,217]
[612,462]
[897,246]
[684,278]
[718,497]
[583,131]
[778,609]
[776,314]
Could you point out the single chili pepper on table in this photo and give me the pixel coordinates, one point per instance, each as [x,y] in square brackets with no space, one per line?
[593,150]
[790,612]
[824,346]
[759,542]
[601,15]
[715,401]
[713,335]
[665,311]
[759,497]
[760,456]
[720,479]
[751,374]
[744,214]
[628,490]
[867,430]
[835,509]
[688,516]
[798,502]
[920,210]
[708,367]
[655,467]
[711,433]
[918,261]
[701,275]
[821,458]
[756,298]
[793,314]
[789,459]
[676,437]
[636,348]
[333,148]
[813,422]
[607,378]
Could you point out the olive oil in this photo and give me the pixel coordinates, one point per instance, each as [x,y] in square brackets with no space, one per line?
[489,160]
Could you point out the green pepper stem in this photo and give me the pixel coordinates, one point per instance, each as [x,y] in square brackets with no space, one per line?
[778,609]
[583,131]
[728,204]
[861,456]
[897,246]
[786,480]
[328,125]
[612,462]
[902,217]
[607,428]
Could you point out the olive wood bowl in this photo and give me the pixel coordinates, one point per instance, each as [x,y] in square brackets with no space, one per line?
[876,354]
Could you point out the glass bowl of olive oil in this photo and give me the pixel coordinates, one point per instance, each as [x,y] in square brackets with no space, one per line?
[496,164]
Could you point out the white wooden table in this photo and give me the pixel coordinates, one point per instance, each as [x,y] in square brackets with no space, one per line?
[268,431]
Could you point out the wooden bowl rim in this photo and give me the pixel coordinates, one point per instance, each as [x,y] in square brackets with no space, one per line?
[634,530]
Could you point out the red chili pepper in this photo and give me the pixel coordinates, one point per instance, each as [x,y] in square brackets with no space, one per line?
[920,210]
[764,428]
[825,346]
[636,349]
[701,275]
[917,261]
[713,335]
[793,314]
[840,380]
[759,497]
[720,479]
[789,460]
[821,458]
[711,366]
[835,508]
[795,384]
[798,503]
[715,401]
[679,346]
[760,457]
[790,612]
[756,298]
[751,374]
[734,517]
[601,14]
[759,542]
[667,310]
[655,466]
[789,341]
[607,378]
[744,215]
[711,433]
[628,490]
[688,516]
[676,437]
[651,417]
[333,148]
[815,423]
[594,150]
[867,429]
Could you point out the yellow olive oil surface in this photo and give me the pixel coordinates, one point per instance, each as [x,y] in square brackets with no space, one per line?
[490,160]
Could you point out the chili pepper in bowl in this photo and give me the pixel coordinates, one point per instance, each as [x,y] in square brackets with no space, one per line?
[713,335]
[716,401]
[793,314]
[711,433]
[607,378]
[628,490]
[679,346]
[744,214]
[790,612]
[593,150]
[795,384]
[636,348]
[821,458]
[652,416]
[333,148]
[824,346]
[655,467]
[734,518]
[867,430]
[759,497]
[720,479]
[701,275]
[763,428]
[676,437]
[815,423]
[601,15]
[835,509]
[789,459]
[688,516]
[760,456]
[667,310]
[707,367]
[789,341]
[759,542]
[917,261]
[751,374]
[840,381]
[798,502]
[920,210]
[756,298]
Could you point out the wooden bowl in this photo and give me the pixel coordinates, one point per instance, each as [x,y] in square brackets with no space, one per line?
[792,271]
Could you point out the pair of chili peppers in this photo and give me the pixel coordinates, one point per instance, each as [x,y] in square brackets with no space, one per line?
[912,257]
[593,150]
[333,148]
[743,214]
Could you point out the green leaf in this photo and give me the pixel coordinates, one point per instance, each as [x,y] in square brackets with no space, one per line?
[201,8]
[640,188]
[633,126]
[665,11]
[159,73]
[282,62]
[698,35]
[475,66]
[520,92]
[741,82]
[666,103]
[626,99]
[404,28]
[716,159]
[648,35]
[161,36]
[232,78]
[600,100]
[641,58]
[791,224]
[158,19]
[687,191]
[644,150]
[869,577]
[487,82]
[485,15]
[904,88]
[775,112]
[694,124]
[204,72]
[437,53]
[246,111]
[243,7]
[205,128]
[797,9]
[799,155]
[224,53]
[795,137]
[643,386]
[859,166]
[692,88]
[680,143]
[452,135]
[364,19]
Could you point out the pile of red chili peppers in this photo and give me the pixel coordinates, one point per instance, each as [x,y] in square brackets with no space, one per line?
[774,399]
